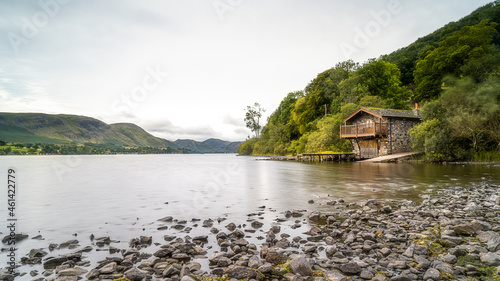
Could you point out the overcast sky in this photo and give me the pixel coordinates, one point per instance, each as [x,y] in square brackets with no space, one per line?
[189,68]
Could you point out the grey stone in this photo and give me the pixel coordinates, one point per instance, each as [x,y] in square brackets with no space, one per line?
[366,274]
[108,269]
[451,259]
[265,268]
[351,268]
[334,276]
[135,274]
[66,278]
[275,257]
[469,229]
[300,265]
[240,272]
[400,278]
[490,259]
[75,271]
[432,274]
[254,262]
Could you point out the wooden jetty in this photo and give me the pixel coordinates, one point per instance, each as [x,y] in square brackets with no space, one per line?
[326,157]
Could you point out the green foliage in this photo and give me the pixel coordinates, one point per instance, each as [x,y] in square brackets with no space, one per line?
[373,101]
[246,148]
[462,122]
[463,47]
[382,79]
[406,58]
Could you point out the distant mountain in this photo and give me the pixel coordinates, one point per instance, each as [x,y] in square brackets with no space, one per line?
[208,146]
[67,129]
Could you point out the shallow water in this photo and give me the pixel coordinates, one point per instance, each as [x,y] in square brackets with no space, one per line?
[123,196]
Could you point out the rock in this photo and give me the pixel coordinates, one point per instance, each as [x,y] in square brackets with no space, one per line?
[135,274]
[386,209]
[5,275]
[491,239]
[422,262]
[400,278]
[351,268]
[451,259]
[334,276]
[468,229]
[52,262]
[300,265]
[188,278]
[330,251]
[275,257]
[231,226]
[432,274]
[108,269]
[75,271]
[37,253]
[265,268]
[201,238]
[490,259]
[314,216]
[166,219]
[208,223]
[240,272]
[16,238]
[366,274]
[385,251]
[257,224]
[397,264]
[254,262]
[66,278]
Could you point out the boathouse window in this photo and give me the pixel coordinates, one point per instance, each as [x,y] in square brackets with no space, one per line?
[369,123]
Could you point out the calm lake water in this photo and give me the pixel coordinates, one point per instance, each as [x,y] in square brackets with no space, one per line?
[123,196]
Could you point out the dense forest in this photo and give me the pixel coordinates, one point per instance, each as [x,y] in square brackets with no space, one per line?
[454,73]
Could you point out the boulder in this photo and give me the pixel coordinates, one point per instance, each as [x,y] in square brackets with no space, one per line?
[240,272]
[351,268]
[300,265]
[135,274]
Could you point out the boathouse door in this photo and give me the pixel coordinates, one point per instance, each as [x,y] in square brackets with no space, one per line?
[368,148]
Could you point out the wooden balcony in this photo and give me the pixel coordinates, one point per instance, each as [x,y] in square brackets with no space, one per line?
[363,130]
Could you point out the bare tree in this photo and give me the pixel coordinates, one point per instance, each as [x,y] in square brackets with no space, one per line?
[252,118]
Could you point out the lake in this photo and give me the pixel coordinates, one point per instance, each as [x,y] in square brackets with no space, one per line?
[122,196]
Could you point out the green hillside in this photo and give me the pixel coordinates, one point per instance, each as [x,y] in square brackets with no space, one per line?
[406,58]
[57,129]
[208,146]
[16,134]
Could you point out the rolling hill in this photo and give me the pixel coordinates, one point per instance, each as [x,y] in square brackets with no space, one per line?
[74,129]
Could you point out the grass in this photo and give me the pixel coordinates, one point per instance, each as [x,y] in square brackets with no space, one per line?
[487,156]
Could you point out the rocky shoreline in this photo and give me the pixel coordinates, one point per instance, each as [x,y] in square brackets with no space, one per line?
[453,235]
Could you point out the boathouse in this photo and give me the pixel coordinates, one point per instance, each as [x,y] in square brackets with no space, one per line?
[377,132]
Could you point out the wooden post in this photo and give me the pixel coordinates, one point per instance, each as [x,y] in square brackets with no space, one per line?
[356,130]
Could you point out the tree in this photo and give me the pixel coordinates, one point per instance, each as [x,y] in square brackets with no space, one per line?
[383,79]
[468,44]
[252,118]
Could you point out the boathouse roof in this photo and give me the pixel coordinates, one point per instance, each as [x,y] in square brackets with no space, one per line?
[383,112]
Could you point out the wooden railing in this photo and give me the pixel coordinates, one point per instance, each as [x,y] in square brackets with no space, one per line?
[364,130]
